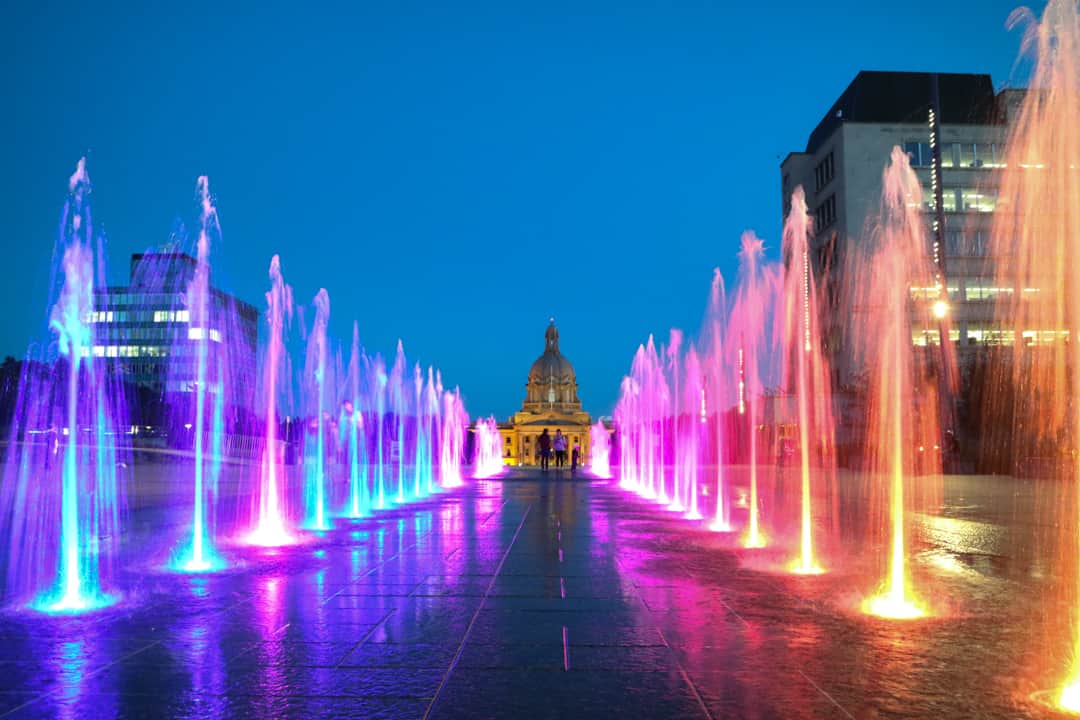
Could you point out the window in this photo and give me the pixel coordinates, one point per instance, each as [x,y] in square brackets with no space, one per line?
[824,172]
[825,215]
[967,155]
[954,243]
[925,337]
[976,200]
[948,155]
[965,199]
[948,199]
[967,243]
[919,154]
[979,291]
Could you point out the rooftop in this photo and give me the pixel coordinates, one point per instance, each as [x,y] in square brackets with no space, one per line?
[876,96]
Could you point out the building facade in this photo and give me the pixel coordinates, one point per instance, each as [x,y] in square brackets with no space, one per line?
[144,331]
[840,171]
[551,403]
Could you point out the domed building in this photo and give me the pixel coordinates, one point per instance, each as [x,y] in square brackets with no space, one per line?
[551,401]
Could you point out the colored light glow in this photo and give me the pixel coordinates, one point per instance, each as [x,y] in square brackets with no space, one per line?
[940,309]
[600,451]
[72,604]
[189,561]
[754,539]
[271,533]
[488,462]
[1070,697]
[893,606]
[798,567]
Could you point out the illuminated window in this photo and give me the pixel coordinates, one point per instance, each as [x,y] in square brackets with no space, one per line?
[196,333]
[110,351]
[183,316]
[990,155]
[1044,337]
[99,351]
[948,199]
[948,155]
[984,292]
[924,338]
[975,200]
[967,155]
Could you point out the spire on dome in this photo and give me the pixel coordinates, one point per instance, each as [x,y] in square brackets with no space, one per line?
[552,337]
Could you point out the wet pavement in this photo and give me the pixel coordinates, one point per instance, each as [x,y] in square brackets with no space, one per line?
[549,597]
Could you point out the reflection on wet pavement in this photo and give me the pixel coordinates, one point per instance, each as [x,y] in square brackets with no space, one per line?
[549,598]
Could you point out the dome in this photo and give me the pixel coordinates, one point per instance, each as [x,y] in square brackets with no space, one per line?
[552,364]
[552,383]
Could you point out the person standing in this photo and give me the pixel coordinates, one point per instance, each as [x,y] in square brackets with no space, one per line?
[575,458]
[544,443]
[560,449]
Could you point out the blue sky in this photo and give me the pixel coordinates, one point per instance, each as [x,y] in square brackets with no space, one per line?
[452,174]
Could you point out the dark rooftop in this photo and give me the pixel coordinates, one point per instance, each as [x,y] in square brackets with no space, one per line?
[893,97]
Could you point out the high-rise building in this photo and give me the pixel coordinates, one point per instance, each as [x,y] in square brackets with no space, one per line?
[953,128]
[144,331]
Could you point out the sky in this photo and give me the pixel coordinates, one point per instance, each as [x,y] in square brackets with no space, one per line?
[452,174]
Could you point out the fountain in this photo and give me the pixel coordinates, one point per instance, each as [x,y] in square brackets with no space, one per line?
[600,451]
[61,501]
[806,373]
[488,449]
[315,441]
[272,522]
[1041,234]
[353,425]
[715,399]
[689,430]
[379,391]
[903,412]
[432,429]
[747,340]
[641,415]
[452,440]
[421,464]
[200,555]
[399,400]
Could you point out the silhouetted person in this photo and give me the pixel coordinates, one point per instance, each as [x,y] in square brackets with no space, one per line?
[575,458]
[544,443]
